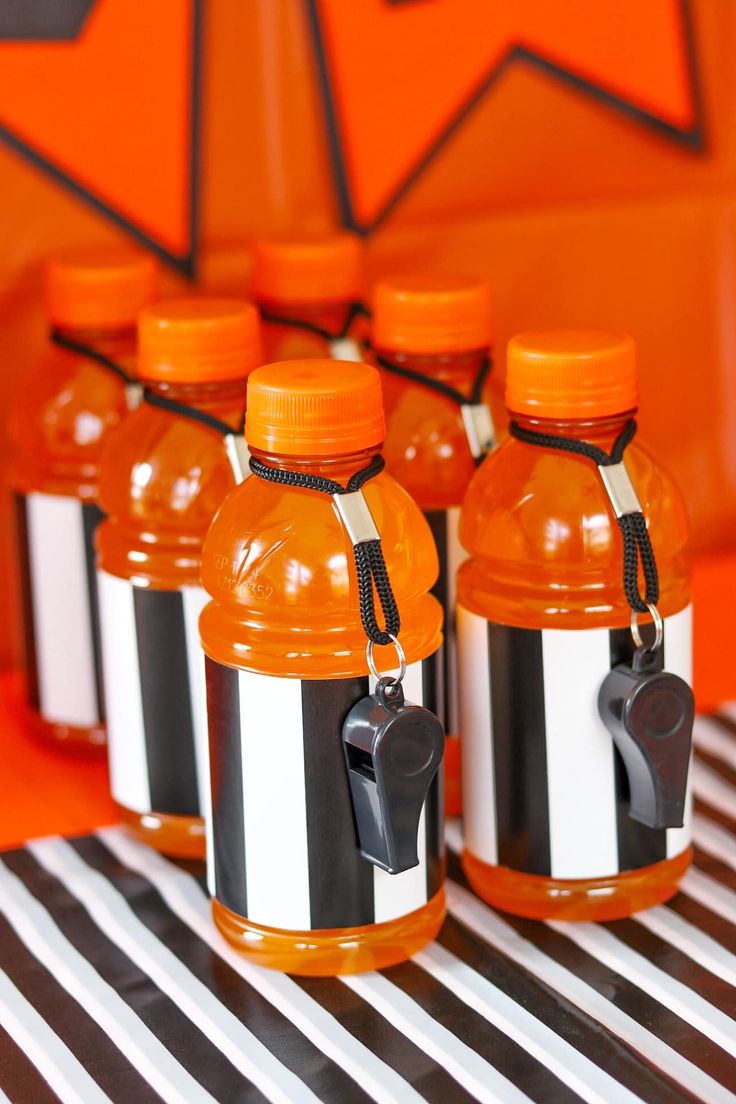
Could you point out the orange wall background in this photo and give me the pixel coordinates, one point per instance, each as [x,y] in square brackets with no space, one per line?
[578,213]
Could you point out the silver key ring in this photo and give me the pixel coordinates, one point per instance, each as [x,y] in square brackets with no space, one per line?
[374,670]
[656,617]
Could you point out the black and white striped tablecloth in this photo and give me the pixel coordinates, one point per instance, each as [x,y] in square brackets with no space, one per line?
[116,987]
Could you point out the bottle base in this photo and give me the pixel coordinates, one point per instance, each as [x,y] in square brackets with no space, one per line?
[453,785]
[180,836]
[540,898]
[329,952]
[70,738]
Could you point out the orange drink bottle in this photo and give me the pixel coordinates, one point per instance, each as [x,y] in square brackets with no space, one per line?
[164,474]
[307,290]
[552,801]
[66,406]
[293,885]
[431,337]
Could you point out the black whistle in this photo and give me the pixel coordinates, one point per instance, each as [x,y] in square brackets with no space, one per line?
[393,751]
[650,712]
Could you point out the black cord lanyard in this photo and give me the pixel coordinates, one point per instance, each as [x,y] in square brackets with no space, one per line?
[369,562]
[476,416]
[90,353]
[191,412]
[355,310]
[629,516]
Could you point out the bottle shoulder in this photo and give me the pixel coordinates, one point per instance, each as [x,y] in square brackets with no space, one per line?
[62,411]
[426,446]
[280,568]
[162,479]
[541,534]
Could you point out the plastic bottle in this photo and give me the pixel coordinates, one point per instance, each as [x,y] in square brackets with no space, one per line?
[61,415]
[542,617]
[437,327]
[312,280]
[286,660]
[163,477]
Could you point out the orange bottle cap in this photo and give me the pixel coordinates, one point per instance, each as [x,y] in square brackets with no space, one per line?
[432,314]
[99,288]
[325,268]
[314,408]
[571,374]
[198,340]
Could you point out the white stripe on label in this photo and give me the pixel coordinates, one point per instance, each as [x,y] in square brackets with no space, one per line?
[274,801]
[397,895]
[194,599]
[580,761]
[479,792]
[54,1061]
[456,556]
[678,658]
[126,741]
[61,615]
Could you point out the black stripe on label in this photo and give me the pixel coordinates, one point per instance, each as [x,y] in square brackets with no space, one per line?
[378,1034]
[28,628]
[340,879]
[511,1059]
[92,515]
[638,845]
[226,774]
[76,1028]
[166,701]
[437,520]
[19,1078]
[519,748]
[435,802]
[273,1028]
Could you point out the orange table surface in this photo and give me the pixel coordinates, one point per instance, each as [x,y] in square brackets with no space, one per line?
[44,790]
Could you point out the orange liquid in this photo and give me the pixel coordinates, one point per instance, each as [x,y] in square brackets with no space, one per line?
[427,451]
[290,343]
[277,564]
[547,553]
[60,418]
[161,483]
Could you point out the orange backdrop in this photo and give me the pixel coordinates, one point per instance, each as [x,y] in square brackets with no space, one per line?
[582,156]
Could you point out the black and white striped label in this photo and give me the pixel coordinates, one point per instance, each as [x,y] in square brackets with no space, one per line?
[545,790]
[155,695]
[445,526]
[284,848]
[58,590]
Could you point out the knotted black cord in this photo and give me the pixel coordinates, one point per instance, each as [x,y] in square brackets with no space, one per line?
[637,544]
[355,310]
[90,353]
[369,562]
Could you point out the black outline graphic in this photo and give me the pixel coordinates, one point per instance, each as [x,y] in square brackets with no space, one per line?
[186,263]
[693,139]
[43,20]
